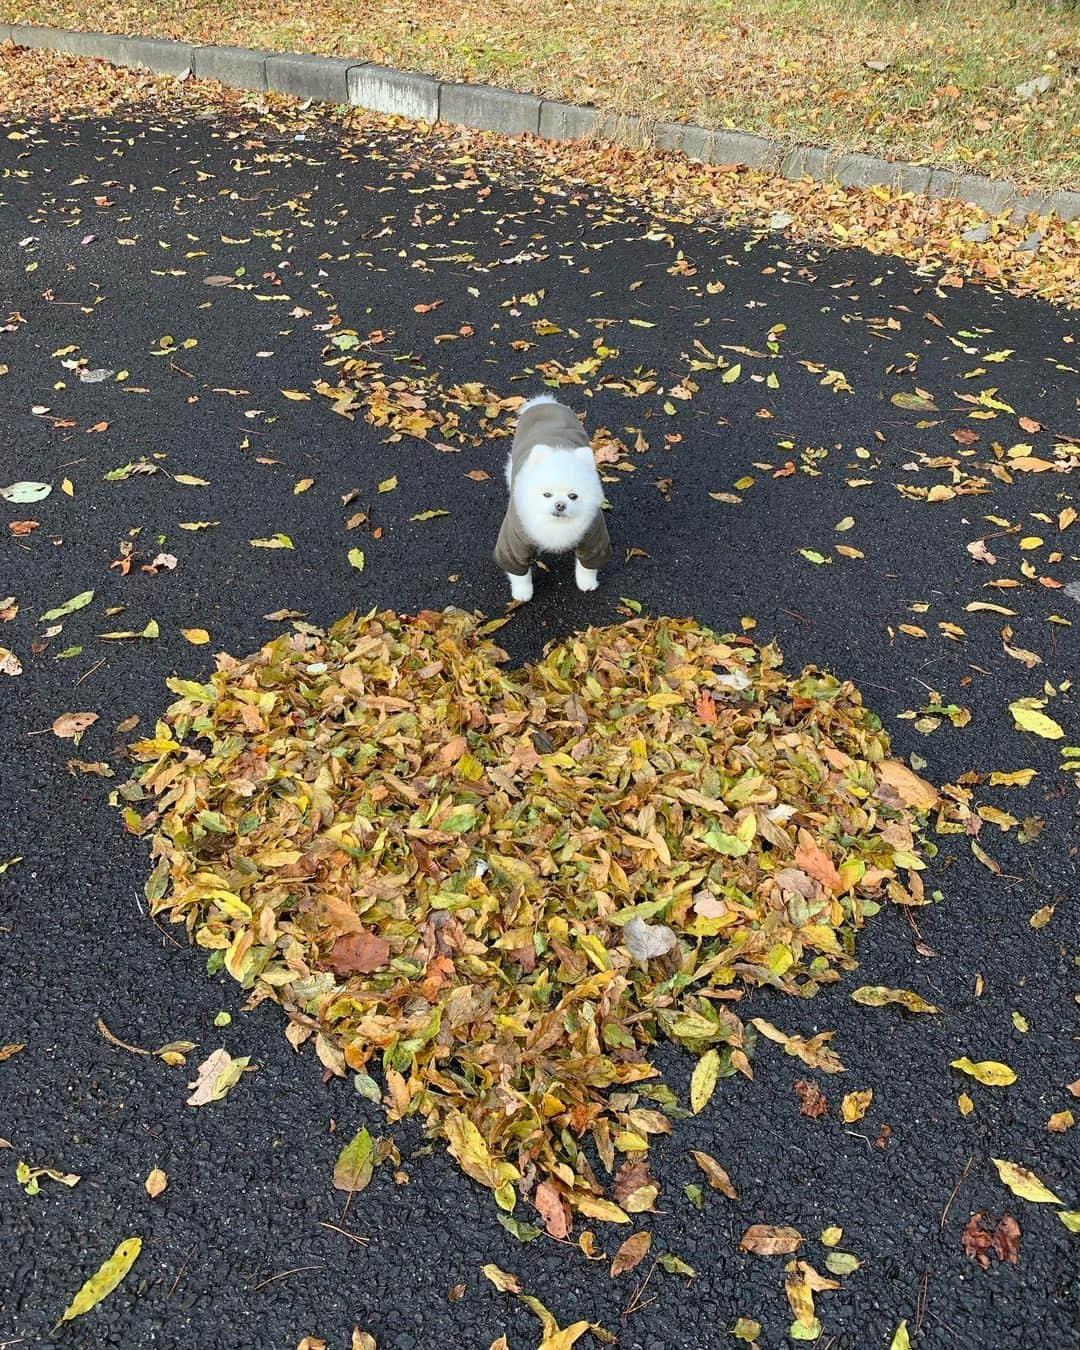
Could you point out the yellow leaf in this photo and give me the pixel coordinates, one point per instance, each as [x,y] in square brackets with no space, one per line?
[831,1236]
[502,1279]
[67,487]
[1031,541]
[388,484]
[855,1105]
[302,486]
[845,524]
[1018,778]
[296,395]
[703,1080]
[1030,719]
[356,557]
[741,484]
[104,1280]
[846,551]
[965,1104]
[595,1208]
[1071,1219]
[1023,1183]
[198,637]
[987,1071]
[901,1340]
[189,480]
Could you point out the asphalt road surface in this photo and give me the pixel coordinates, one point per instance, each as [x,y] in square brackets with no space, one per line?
[437,276]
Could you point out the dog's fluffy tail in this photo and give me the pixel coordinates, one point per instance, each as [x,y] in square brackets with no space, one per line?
[532,402]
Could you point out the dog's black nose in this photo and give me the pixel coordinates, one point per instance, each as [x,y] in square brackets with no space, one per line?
[560,507]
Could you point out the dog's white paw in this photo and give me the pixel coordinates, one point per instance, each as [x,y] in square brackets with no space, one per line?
[521,587]
[587,579]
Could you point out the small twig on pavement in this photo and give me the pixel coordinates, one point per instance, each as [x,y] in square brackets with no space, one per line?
[635,1298]
[180,1272]
[86,674]
[920,1302]
[353,1237]
[281,1275]
[948,1203]
[115,1040]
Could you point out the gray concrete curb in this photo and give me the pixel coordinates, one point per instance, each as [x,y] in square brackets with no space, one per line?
[328,79]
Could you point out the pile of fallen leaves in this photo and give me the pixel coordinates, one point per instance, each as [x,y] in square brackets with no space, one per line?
[503,886]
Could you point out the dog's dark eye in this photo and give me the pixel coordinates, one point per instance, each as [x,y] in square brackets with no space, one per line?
[572,496]
[547,494]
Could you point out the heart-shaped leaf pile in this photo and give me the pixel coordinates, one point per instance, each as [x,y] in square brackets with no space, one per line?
[432,861]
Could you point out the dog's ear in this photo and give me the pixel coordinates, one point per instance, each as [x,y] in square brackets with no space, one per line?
[584,452]
[538,454]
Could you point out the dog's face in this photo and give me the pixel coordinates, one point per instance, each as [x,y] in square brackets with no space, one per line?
[559,485]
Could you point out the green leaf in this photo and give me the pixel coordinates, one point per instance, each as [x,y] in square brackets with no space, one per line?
[877,996]
[675,1265]
[355,1163]
[104,1280]
[812,555]
[429,515]
[79,601]
[1071,1219]
[22,493]
[842,1263]
[914,402]
[901,1340]
[524,1232]
[732,373]
[275,541]
[356,557]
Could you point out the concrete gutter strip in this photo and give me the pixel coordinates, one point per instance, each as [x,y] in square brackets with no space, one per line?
[331,79]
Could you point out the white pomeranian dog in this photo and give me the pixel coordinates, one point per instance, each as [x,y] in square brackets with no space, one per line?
[555,498]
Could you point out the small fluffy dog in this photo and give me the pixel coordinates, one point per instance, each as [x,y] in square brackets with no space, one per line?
[555,498]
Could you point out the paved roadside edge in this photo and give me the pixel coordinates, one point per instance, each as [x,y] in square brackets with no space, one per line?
[330,79]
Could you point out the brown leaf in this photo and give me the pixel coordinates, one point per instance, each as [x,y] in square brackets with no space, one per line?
[1003,1240]
[358,953]
[812,1101]
[553,1209]
[631,1177]
[632,1252]
[1029,425]
[72,724]
[813,859]
[767,1239]
[717,1177]
[908,786]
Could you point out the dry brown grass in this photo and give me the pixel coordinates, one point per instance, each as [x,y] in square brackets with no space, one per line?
[794,69]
